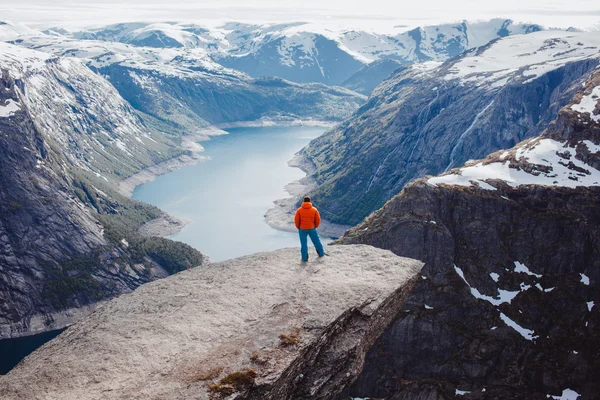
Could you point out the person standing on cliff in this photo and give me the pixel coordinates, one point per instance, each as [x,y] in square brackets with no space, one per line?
[307,221]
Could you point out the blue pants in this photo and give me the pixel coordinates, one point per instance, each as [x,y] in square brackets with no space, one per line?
[314,237]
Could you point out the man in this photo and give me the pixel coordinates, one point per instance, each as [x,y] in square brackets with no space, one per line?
[307,221]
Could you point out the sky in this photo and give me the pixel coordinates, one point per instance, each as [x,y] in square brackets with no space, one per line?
[372,14]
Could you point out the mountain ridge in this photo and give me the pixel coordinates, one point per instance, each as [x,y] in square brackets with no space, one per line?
[429,117]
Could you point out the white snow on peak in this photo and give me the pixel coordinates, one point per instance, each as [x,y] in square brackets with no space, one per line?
[590,305]
[567,394]
[494,276]
[9,108]
[520,267]
[365,44]
[64,95]
[588,104]
[525,57]
[584,279]
[182,62]
[20,61]
[526,333]
[11,30]
[555,156]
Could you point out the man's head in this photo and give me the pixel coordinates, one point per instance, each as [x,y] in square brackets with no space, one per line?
[306,199]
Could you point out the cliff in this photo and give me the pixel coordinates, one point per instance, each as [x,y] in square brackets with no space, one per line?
[67,239]
[506,305]
[258,327]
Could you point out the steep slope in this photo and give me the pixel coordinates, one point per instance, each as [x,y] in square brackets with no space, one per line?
[306,52]
[66,237]
[430,117]
[181,90]
[507,303]
[370,76]
[291,332]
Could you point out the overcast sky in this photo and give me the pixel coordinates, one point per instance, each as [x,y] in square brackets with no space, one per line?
[82,13]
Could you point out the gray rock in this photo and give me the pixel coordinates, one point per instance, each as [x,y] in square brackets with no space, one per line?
[176,337]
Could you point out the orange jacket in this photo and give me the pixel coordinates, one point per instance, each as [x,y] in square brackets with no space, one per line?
[307,217]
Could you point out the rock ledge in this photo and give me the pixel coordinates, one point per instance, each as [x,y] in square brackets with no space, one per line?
[176,337]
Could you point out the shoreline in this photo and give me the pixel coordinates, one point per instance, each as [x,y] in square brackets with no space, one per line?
[281,215]
[167,224]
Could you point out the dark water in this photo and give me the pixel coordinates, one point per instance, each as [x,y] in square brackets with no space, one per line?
[12,351]
[227,197]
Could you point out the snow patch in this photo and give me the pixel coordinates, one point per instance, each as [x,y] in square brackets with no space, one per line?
[588,104]
[539,151]
[504,296]
[526,333]
[567,394]
[590,305]
[520,267]
[9,108]
[584,279]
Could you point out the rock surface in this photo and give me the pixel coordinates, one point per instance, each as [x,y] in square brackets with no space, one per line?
[174,337]
[506,307]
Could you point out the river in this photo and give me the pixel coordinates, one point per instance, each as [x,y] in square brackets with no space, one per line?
[226,197]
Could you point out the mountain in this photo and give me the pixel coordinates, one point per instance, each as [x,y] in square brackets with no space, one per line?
[506,306]
[67,238]
[291,332]
[181,89]
[371,75]
[305,52]
[430,117]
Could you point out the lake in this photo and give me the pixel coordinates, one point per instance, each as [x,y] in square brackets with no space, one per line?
[226,197]
[14,350]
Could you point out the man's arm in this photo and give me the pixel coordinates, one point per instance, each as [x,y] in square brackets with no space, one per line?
[297,219]
[317,218]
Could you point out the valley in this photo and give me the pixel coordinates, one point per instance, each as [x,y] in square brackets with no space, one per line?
[225,198]
[144,170]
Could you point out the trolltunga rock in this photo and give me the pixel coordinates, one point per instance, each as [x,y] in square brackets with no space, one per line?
[261,326]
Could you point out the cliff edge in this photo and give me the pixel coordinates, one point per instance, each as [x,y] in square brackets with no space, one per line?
[262,326]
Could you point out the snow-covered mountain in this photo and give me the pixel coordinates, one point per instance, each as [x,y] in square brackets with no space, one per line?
[182,89]
[82,113]
[306,52]
[430,117]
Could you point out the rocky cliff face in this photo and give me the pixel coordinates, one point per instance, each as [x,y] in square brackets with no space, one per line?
[66,238]
[429,117]
[292,331]
[506,306]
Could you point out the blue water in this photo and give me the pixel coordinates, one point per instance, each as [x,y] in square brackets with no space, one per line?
[226,197]
[12,351]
